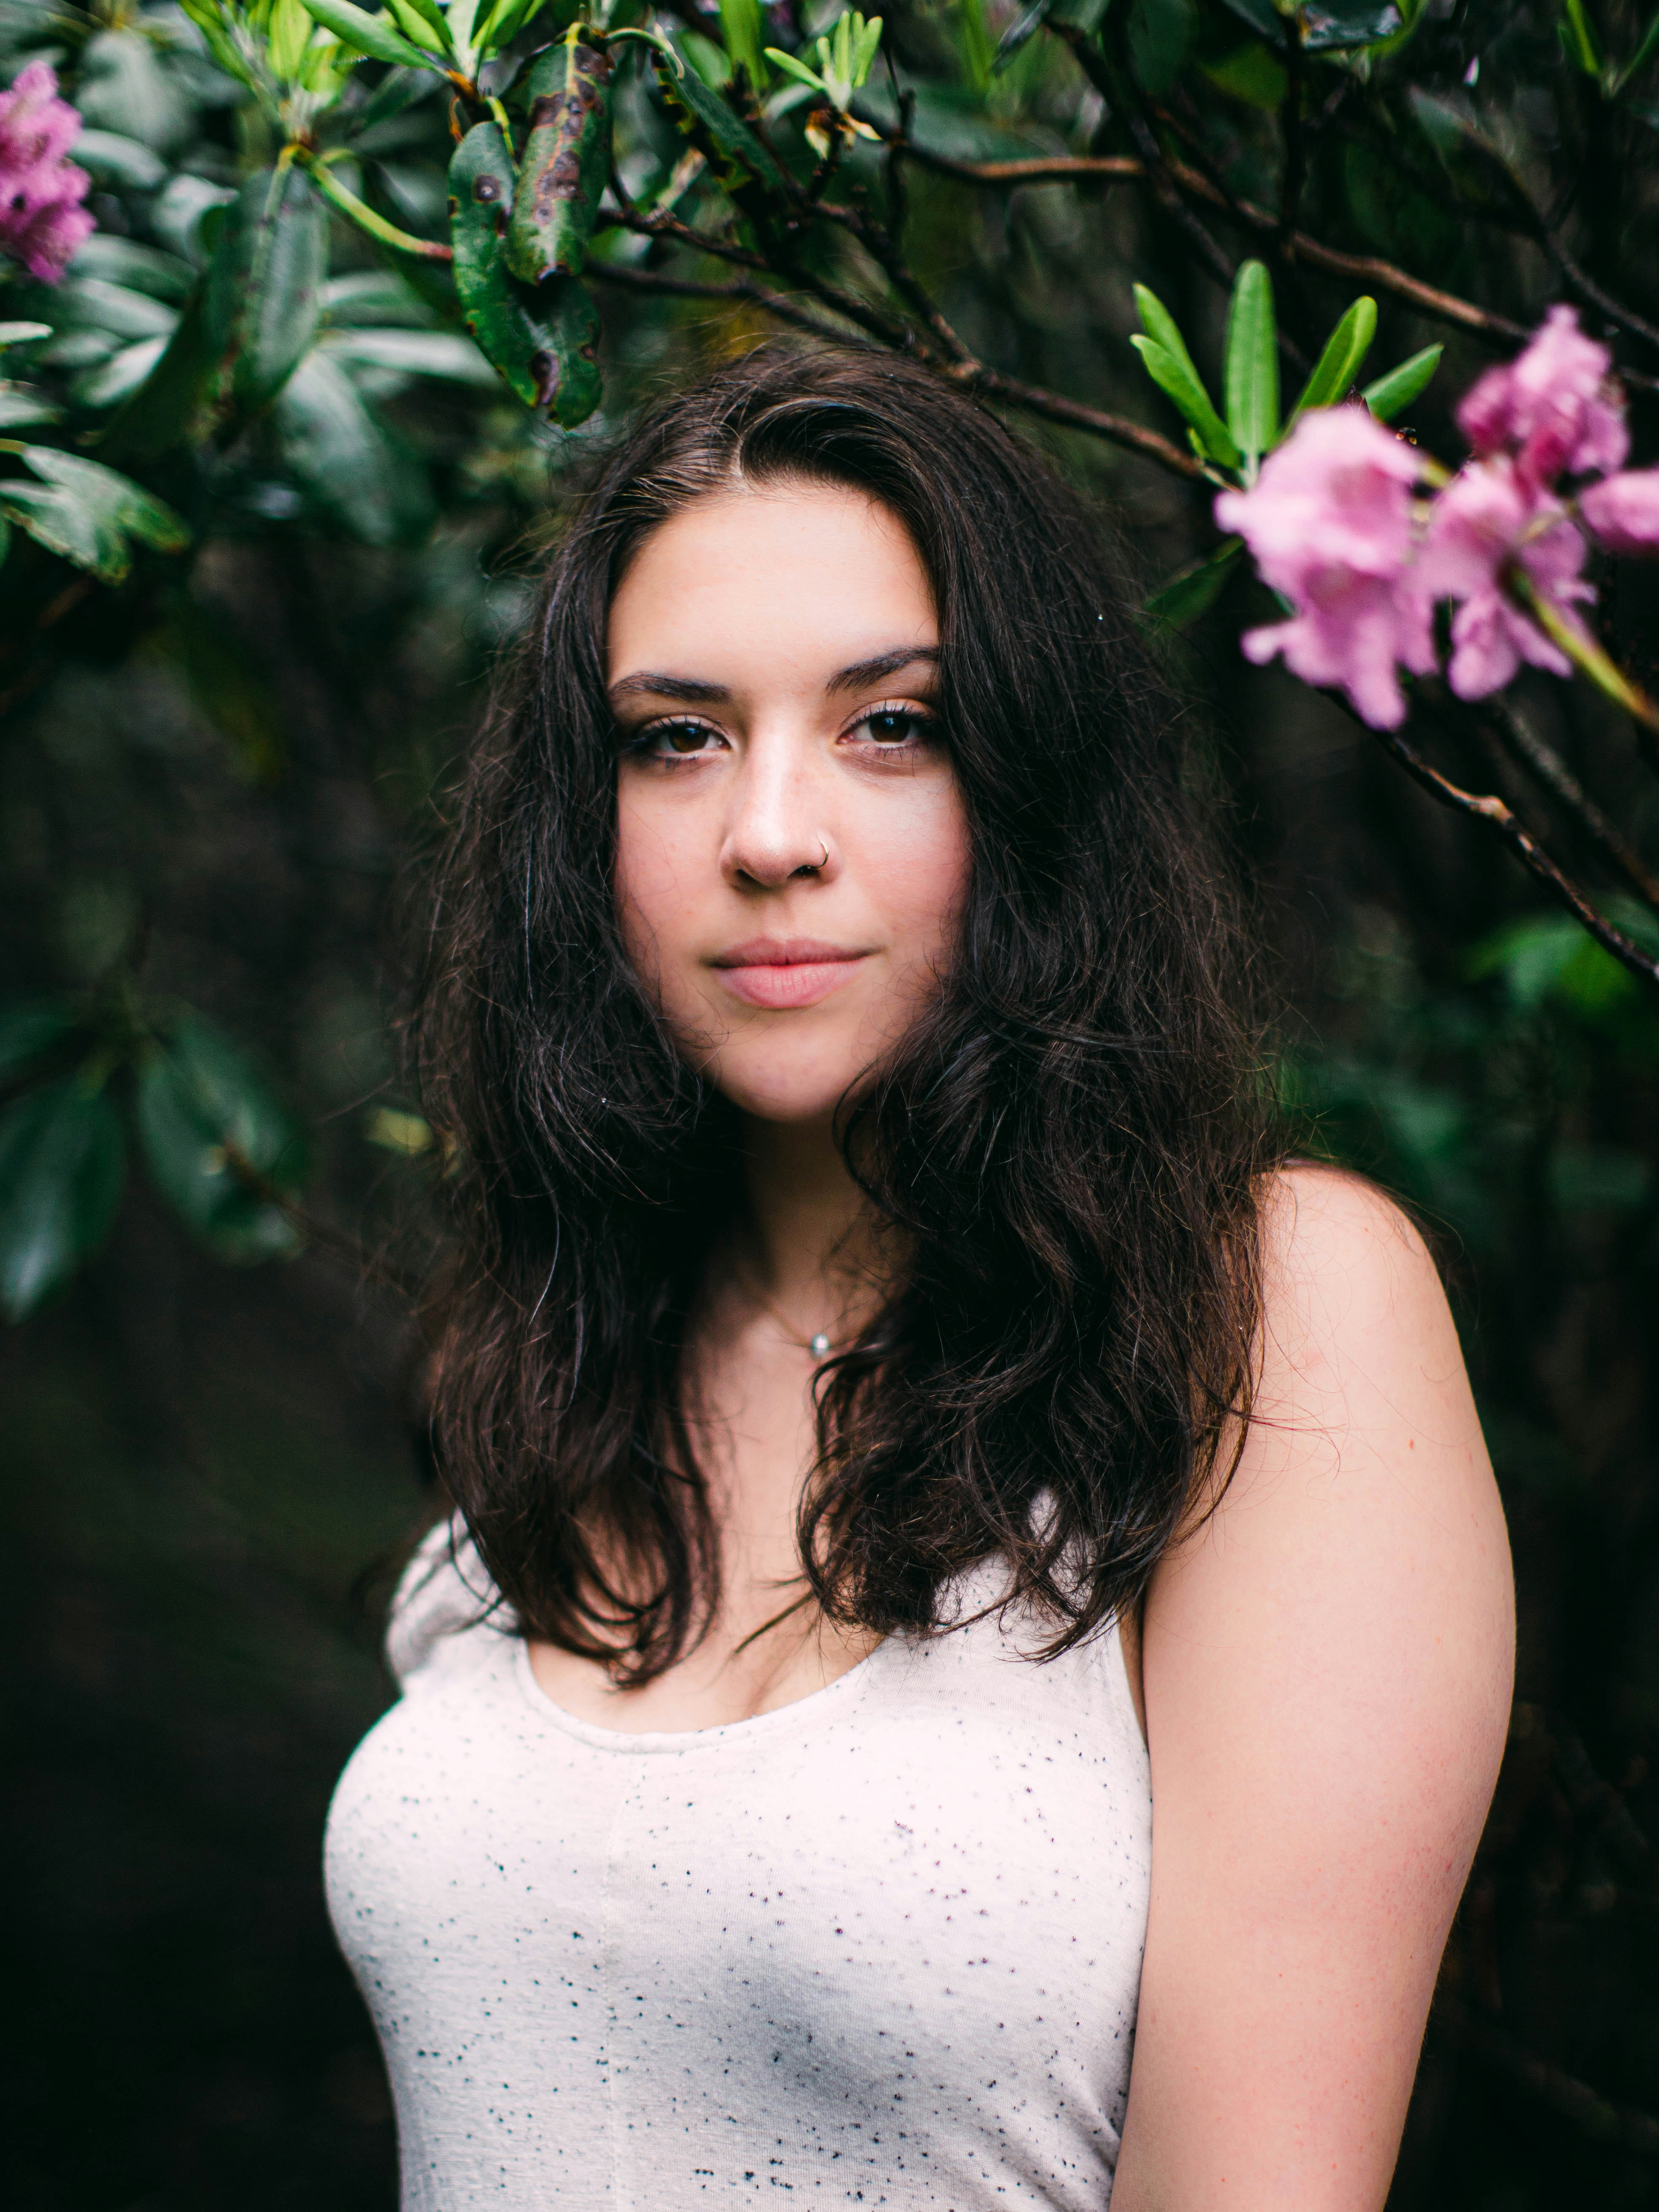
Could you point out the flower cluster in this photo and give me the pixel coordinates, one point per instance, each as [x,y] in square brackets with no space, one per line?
[42,222]
[1341,525]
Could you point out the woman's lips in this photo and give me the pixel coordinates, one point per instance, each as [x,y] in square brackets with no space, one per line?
[782,972]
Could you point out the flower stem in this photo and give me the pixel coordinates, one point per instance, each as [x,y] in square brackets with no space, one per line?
[358,212]
[1580,647]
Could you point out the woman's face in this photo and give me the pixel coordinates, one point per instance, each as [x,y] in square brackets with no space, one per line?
[792,851]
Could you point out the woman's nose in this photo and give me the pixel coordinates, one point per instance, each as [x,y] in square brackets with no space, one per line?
[773,832]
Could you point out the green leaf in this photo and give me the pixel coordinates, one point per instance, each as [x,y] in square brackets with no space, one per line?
[367,35]
[87,513]
[1249,73]
[250,320]
[139,268]
[218,1143]
[264,289]
[23,333]
[29,1030]
[1252,362]
[1186,596]
[343,459]
[1391,393]
[1162,35]
[113,158]
[1163,351]
[442,353]
[1324,30]
[740,22]
[62,1161]
[566,164]
[545,341]
[22,407]
[1335,371]
[978,48]
[122,85]
[116,378]
[734,153]
[1579,41]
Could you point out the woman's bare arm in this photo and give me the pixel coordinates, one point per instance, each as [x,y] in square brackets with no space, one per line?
[1327,1668]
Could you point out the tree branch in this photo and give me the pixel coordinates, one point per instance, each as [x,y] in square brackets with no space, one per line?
[1523,743]
[1520,841]
[1053,406]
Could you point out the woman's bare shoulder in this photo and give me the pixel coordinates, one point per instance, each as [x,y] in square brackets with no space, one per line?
[1328,1659]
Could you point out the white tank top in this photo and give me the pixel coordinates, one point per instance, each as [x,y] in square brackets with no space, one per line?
[880,1947]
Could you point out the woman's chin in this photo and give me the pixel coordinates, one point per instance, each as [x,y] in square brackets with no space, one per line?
[788,1096]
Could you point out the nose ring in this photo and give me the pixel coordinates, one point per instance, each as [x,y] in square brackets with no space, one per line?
[824,862]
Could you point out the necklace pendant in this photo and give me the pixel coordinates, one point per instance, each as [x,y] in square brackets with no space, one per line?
[819,1345]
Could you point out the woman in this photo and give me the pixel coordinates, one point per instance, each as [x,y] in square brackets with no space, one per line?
[961,1571]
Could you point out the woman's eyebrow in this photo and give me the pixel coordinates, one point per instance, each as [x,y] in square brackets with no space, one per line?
[648,683]
[863,673]
[668,687]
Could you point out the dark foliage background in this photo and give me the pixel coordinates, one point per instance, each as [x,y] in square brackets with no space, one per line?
[209,782]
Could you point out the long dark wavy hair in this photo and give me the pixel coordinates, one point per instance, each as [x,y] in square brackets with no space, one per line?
[1067,1147]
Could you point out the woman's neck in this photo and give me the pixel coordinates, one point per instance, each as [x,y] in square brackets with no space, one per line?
[808,1240]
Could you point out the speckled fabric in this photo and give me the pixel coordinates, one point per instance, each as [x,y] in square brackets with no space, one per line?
[881,1946]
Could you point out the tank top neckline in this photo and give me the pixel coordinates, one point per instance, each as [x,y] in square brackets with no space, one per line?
[644,1741]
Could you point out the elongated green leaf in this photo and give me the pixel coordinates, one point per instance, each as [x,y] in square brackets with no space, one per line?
[743,29]
[567,161]
[251,320]
[62,1160]
[431,38]
[1252,361]
[1345,349]
[544,341]
[23,407]
[1186,596]
[217,1142]
[264,291]
[29,1030]
[342,459]
[88,513]
[734,153]
[1161,327]
[368,34]
[1578,39]
[1396,391]
[1176,375]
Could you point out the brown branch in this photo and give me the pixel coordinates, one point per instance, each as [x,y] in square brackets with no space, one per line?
[1053,406]
[879,243]
[739,287]
[1523,743]
[1125,168]
[1500,817]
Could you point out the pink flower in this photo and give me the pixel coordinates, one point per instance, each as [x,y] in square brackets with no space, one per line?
[1491,517]
[1555,408]
[1329,523]
[42,222]
[1624,511]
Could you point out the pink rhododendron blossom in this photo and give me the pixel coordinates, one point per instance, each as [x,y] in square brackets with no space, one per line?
[1624,511]
[42,222]
[1329,523]
[1490,517]
[1554,407]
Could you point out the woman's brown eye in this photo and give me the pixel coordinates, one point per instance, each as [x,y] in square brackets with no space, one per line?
[894,726]
[686,737]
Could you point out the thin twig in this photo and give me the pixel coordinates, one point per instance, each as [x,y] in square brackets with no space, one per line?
[1290,125]
[1499,816]
[739,287]
[1522,742]
[1092,61]
[1123,168]
[1053,406]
